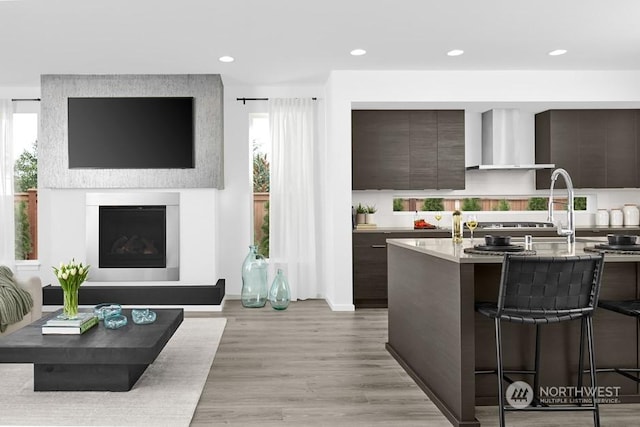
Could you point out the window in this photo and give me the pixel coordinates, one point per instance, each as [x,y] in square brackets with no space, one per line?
[25,142]
[260,144]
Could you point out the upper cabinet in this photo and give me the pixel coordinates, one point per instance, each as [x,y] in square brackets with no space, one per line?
[407,149]
[599,148]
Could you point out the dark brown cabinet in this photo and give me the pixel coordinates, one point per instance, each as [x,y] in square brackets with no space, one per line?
[599,148]
[407,149]
[370,264]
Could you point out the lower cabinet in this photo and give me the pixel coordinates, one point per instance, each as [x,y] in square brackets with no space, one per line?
[370,264]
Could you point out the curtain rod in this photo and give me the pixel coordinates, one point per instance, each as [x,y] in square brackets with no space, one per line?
[26,99]
[244,100]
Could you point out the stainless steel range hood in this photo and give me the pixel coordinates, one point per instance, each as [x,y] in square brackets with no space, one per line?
[500,147]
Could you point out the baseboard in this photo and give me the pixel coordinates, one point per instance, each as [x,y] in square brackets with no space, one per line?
[149,296]
[340,307]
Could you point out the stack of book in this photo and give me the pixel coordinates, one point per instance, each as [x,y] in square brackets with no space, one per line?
[77,326]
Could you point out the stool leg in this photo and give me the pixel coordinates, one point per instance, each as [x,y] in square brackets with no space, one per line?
[581,358]
[592,369]
[500,372]
[536,375]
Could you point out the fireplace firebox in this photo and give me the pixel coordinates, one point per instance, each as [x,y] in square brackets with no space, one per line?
[133,236]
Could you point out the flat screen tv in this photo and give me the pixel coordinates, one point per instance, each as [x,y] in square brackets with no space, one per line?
[131,133]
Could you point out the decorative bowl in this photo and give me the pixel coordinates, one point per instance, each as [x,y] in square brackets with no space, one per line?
[115,321]
[497,240]
[621,239]
[143,316]
[107,309]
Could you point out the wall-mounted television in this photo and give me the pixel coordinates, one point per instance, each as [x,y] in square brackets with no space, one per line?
[131,133]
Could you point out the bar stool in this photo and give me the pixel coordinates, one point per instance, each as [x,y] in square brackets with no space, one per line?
[628,308]
[541,290]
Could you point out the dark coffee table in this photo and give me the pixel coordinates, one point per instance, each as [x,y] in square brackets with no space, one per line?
[101,359]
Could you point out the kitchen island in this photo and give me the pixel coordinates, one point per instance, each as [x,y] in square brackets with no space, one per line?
[439,339]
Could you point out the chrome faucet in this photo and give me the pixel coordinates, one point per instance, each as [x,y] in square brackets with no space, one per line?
[570,231]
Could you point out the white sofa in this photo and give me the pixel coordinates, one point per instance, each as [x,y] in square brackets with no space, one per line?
[34,286]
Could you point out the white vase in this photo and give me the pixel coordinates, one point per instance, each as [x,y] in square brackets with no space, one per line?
[370,218]
[360,218]
[616,218]
[602,217]
[631,215]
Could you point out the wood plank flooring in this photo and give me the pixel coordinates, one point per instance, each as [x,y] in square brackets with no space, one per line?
[310,366]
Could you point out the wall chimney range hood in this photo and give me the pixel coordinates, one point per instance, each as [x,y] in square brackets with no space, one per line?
[500,144]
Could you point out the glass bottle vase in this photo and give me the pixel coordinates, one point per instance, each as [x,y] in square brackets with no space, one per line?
[70,303]
[254,279]
[280,293]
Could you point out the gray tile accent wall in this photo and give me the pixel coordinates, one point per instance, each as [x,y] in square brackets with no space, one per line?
[53,160]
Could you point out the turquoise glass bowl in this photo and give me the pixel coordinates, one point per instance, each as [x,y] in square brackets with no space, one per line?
[107,309]
[115,321]
[143,316]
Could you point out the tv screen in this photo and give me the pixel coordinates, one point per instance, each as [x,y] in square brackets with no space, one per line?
[131,133]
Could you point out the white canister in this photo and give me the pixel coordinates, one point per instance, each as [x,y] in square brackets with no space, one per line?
[602,217]
[631,214]
[616,218]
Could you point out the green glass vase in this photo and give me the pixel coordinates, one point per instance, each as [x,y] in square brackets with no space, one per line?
[280,293]
[254,279]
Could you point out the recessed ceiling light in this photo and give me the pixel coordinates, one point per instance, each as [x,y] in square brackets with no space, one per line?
[455,52]
[358,52]
[558,52]
[226,59]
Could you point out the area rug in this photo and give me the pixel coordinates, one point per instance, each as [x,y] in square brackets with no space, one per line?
[166,394]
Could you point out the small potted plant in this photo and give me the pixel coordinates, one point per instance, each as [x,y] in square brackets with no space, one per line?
[370,217]
[361,212]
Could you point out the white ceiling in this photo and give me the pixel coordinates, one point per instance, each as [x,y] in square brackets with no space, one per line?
[277,42]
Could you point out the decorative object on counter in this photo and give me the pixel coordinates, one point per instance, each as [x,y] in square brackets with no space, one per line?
[370,215]
[143,316]
[280,293]
[366,226]
[70,276]
[631,215]
[456,224]
[602,217]
[115,321]
[106,309]
[361,212]
[421,224]
[621,239]
[498,250]
[254,279]
[491,240]
[472,223]
[616,218]
[438,217]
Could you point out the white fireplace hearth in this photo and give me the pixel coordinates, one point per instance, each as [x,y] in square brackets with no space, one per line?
[133,237]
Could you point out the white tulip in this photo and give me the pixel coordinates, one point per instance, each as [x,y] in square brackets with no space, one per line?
[59,274]
[65,275]
[73,272]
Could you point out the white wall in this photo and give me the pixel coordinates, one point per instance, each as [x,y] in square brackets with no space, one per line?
[235,202]
[447,89]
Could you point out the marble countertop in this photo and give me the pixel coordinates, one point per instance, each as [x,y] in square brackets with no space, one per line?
[544,246]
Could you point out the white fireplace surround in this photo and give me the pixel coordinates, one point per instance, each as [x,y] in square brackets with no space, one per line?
[172,202]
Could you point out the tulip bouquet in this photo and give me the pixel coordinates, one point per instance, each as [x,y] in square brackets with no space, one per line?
[71,276]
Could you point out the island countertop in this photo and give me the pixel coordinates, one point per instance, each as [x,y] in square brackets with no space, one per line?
[543,246]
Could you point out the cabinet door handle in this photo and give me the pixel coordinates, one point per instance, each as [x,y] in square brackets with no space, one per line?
[379,246]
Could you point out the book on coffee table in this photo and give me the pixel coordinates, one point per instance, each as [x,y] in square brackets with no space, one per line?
[82,317]
[70,330]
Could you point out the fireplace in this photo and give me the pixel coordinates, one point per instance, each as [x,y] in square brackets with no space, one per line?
[133,236]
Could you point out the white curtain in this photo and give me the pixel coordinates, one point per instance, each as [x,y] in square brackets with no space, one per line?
[292,235]
[7,228]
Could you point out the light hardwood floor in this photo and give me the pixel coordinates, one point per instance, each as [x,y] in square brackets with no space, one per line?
[310,366]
